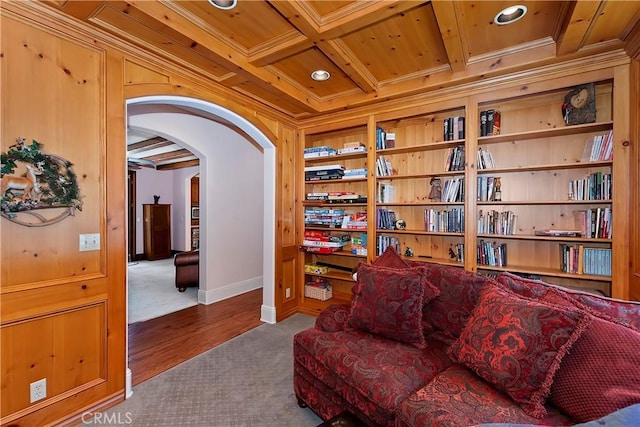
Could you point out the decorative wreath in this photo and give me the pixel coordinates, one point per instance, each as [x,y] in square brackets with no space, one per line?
[49,182]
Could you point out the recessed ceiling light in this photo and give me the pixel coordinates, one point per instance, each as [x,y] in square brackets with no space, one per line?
[224,4]
[510,15]
[320,75]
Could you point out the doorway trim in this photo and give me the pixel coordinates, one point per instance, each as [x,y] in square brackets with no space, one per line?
[268,310]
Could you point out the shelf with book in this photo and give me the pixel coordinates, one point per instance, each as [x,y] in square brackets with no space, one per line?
[425,170]
[548,171]
[334,207]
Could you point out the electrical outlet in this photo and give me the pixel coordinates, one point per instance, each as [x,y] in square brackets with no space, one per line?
[90,242]
[287,293]
[38,390]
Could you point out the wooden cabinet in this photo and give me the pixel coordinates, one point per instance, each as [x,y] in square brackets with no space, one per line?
[548,183]
[195,191]
[157,231]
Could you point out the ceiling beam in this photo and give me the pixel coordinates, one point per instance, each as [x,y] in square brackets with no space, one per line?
[584,13]
[452,33]
[179,165]
[168,14]
[156,142]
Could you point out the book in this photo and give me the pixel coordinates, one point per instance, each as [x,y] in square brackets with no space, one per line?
[495,128]
[559,233]
[483,123]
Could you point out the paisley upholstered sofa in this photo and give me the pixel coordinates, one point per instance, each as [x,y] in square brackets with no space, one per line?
[424,344]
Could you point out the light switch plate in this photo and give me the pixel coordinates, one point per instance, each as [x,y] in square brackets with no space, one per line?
[89,242]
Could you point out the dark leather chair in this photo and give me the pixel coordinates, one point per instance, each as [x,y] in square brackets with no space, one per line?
[187,269]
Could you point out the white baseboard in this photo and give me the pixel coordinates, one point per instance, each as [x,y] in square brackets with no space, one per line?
[218,294]
[128,382]
[268,314]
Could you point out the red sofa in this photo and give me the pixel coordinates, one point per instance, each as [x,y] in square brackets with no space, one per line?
[424,344]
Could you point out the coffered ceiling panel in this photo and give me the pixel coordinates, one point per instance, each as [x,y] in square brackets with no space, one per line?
[400,46]
[374,49]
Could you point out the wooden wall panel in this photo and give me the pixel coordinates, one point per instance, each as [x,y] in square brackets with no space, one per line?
[53,92]
[63,310]
[47,347]
[634,281]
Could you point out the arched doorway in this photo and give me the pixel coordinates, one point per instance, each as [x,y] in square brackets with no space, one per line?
[268,182]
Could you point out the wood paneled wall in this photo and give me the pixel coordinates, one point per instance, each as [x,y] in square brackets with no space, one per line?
[63,313]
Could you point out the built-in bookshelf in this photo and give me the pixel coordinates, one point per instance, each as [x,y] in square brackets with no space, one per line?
[534,196]
[335,207]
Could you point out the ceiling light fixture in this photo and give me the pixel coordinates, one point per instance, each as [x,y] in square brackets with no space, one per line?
[320,75]
[224,4]
[510,15]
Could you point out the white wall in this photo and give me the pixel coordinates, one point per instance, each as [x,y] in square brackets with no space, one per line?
[181,219]
[231,205]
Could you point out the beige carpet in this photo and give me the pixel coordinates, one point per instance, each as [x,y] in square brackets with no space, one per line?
[152,290]
[247,381]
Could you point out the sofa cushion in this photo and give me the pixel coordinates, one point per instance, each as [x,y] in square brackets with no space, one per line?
[351,363]
[458,397]
[445,316]
[620,311]
[517,344]
[390,259]
[600,374]
[333,318]
[388,302]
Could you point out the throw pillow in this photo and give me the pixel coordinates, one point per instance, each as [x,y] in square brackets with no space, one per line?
[600,374]
[517,344]
[388,302]
[390,259]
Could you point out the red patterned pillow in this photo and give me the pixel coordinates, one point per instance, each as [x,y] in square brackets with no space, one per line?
[390,259]
[517,344]
[388,302]
[600,374]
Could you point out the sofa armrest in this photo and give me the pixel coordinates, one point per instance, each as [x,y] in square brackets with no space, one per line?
[333,318]
[186,258]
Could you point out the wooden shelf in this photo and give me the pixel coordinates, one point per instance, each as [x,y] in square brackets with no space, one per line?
[419,176]
[545,272]
[556,166]
[421,147]
[330,159]
[425,203]
[544,238]
[544,202]
[546,133]
[419,232]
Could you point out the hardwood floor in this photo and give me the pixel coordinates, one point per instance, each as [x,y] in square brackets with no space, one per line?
[159,344]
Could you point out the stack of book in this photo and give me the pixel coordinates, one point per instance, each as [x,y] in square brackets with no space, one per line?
[597,261]
[352,147]
[386,219]
[355,173]
[595,186]
[324,242]
[453,128]
[453,190]
[321,217]
[599,147]
[357,221]
[485,159]
[345,197]
[486,188]
[384,242]
[383,167]
[491,255]
[359,244]
[495,222]
[455,159]
[449,220]
[322,151]
[384,192]
[489,122]
[594,223]
[323,172]
[384,139]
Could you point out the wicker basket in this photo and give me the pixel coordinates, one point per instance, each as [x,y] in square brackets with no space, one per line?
[316,292]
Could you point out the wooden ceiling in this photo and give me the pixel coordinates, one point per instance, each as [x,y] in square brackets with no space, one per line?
[374,50]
